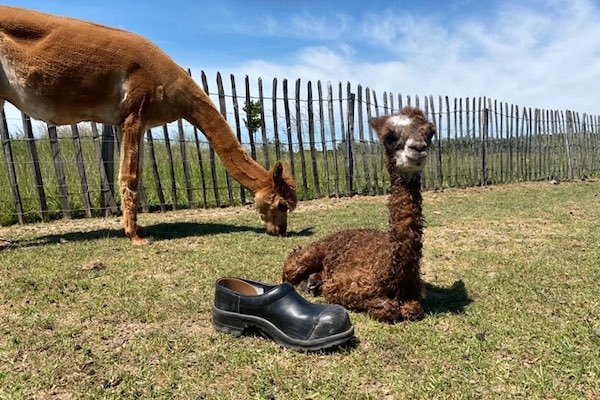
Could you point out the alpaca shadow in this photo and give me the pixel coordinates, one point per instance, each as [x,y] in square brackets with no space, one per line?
[441,300]
[156,232]
[179,230]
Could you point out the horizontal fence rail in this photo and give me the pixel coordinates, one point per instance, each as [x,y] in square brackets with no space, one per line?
[322,132]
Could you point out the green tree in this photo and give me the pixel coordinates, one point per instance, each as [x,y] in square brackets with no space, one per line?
[253,118]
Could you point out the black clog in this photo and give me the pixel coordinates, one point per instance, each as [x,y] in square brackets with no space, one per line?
[281,313]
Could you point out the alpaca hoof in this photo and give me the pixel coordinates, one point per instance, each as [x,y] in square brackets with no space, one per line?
[137,240]
[311,285]
[314,286]
[411,310]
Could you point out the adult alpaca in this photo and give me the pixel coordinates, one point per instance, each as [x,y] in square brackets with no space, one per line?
[63,71]
[366,269]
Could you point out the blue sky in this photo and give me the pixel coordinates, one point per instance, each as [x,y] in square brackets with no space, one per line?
[537,53]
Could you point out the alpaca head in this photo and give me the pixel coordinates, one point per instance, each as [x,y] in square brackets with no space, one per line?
[275,200]
[406,138]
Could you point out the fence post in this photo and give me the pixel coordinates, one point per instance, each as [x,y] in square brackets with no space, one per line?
[248,108]
[171,166]
[211,151]
[311,139]
[12,175]
[263,125]
[483,137]
[363,143]
[275,121]
[155,174]
[569,120]
[238,131]
[323,140]
[349,147]
[85,192]
[336,178]
[378,149]
[438,139]
[107,157]
[356,184]
[106,196]
[373,147]
[300,141]
[223,110]
[37,172]
[186,164]
[63,192]
[288,127]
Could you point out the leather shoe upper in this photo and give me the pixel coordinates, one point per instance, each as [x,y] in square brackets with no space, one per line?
[283,307]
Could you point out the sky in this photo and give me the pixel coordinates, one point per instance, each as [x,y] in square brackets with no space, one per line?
[534,53]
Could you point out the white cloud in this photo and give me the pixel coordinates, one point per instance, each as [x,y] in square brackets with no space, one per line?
[537,54]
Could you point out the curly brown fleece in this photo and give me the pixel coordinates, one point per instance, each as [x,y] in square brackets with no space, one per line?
[367,269]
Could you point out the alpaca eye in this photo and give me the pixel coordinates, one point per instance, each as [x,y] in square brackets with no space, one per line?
[389,139]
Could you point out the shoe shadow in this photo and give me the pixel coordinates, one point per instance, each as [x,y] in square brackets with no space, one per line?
[441,300]
[156,232]
[344,348]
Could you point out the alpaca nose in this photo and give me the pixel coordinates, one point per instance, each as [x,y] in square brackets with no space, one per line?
[277,230]
[417,146]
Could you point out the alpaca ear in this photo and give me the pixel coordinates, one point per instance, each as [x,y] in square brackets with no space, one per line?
[377,124]
[284,186]
[278,173]
[385,135]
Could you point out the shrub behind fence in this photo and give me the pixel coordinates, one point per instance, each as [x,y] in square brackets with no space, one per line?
[322,132]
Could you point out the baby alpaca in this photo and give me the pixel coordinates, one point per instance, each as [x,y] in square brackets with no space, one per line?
[367,269]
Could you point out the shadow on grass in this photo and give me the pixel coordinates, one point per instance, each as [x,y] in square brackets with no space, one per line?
[441,300]
[344,348]
[156,232]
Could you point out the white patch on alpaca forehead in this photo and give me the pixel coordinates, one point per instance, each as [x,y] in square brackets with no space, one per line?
[399,120]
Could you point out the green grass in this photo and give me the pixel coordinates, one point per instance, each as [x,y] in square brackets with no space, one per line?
[543,159]
[512,308]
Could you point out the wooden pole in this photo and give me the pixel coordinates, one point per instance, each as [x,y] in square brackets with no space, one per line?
[275,121]
[350,189]
[85,193]
[288,126]
[300,142]
[211,151]
[238,126]
[363,144]
[154,168]
[63,192]
[311,139]
[37,172]
[263,126]
[223,110]
[10,163]
[323,139]
[333,138]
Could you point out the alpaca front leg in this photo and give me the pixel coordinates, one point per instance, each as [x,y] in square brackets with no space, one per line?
[391,310]
[303,262]
[129,175]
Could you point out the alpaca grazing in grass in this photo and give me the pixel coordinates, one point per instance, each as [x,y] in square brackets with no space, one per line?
[367,269]
[63,71]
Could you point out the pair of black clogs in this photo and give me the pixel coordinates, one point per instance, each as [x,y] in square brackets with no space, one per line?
[280,313]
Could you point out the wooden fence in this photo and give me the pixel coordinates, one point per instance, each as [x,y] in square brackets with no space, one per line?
[320,130]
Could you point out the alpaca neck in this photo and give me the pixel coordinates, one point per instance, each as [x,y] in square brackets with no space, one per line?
[405,207]
[405,230]
[203,114]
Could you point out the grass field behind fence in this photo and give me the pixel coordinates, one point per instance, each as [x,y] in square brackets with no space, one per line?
[460,161]
[512,306]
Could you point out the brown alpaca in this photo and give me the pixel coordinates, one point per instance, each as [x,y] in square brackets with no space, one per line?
[366,269]
[63,71]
